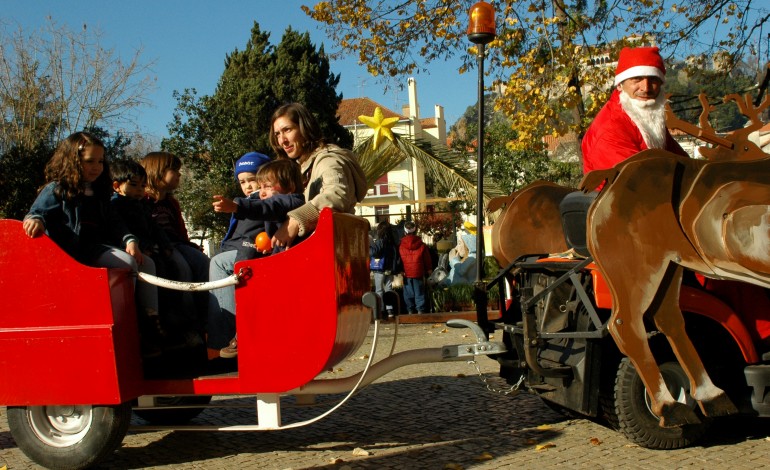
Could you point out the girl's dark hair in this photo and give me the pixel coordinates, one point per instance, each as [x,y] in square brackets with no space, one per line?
[64,167]
[156,164]
[305,121]
[384,231]
[285,172]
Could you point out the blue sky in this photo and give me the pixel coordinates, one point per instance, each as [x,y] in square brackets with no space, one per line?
[188,41]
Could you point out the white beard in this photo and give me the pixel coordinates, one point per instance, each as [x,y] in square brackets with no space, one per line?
[649,116]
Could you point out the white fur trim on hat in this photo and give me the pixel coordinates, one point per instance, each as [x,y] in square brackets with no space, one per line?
[640,71]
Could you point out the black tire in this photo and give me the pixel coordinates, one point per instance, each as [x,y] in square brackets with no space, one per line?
[174,416]
[639,424]
[68,437]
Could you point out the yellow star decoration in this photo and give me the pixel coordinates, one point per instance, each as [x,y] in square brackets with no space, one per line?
[381,126]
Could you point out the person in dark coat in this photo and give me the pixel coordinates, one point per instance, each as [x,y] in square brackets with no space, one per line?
[384,251]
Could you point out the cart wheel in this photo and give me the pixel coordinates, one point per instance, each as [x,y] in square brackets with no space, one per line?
[174,416]
[68,437]
[635,417]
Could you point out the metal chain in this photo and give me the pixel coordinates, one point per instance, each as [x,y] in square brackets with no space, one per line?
[513,391]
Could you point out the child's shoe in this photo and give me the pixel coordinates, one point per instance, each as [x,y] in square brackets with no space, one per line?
[231,350]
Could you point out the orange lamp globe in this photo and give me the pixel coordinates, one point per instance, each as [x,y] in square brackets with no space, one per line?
[481,27]
[263,242]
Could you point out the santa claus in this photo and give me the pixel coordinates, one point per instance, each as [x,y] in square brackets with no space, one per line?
[634,119]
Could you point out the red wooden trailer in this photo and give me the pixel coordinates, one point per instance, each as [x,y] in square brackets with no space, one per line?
[70,342]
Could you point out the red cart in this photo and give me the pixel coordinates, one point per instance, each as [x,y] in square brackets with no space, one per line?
[71,358]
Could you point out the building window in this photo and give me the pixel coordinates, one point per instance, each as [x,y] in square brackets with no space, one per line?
[381,213]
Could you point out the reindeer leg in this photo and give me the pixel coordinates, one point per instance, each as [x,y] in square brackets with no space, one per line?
[713,401]
[627,329]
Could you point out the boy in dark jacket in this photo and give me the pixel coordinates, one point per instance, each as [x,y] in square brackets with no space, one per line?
[271,192]
[417,264]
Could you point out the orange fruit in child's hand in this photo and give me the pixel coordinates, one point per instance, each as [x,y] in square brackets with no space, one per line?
[263,242]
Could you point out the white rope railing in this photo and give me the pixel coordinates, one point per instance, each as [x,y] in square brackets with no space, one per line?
[189,286]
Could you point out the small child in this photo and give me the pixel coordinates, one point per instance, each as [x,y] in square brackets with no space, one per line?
[417,265]
[129,181]
[73,209]
[190,263]
[280,186]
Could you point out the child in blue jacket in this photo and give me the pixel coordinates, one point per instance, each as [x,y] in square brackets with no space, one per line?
[280,183]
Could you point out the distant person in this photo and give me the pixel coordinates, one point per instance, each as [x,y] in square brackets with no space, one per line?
[384,248]
[417,265]
[262,210]
[332,176]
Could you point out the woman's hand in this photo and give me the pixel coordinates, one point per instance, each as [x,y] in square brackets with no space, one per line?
[33,227]
[222,204]
[286,234]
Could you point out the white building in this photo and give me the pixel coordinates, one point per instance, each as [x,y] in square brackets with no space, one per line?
[403,186]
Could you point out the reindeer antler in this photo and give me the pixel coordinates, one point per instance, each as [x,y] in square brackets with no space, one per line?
[705,132]
[746,106]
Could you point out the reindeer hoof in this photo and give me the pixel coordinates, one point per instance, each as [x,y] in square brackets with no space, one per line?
[676,414]
[718,406]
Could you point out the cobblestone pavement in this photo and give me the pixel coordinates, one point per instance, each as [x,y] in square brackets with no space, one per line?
[427,416]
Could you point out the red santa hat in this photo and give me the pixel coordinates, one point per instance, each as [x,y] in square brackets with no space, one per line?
[639,62]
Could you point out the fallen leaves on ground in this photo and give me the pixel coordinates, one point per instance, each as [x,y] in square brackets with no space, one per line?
[595,441]
[483,456]
[542,447]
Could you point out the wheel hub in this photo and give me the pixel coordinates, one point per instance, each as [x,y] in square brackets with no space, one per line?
[60,426]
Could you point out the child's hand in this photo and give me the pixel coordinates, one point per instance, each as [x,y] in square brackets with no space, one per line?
[33,227]
[222,204]
[132,248]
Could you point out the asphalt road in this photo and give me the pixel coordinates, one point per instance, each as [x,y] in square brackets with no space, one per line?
[427,416]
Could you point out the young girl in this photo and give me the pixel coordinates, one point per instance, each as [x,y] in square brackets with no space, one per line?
[192,265]
[73,209]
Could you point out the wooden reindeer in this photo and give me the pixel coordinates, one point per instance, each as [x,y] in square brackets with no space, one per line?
[660,213]
[530,222]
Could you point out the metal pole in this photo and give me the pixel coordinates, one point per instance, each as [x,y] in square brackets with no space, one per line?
[480,292]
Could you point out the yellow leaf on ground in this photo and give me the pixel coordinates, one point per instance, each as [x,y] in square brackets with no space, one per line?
[544,447]
[484,456]
[544,427]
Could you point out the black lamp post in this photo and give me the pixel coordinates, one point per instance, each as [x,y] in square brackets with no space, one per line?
[481,31]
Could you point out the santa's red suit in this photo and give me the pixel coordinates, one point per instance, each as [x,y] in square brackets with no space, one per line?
[613,137]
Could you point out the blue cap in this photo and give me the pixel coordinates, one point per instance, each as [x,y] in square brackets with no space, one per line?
[250,162]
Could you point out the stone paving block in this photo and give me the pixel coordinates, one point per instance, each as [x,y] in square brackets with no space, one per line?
[426,416]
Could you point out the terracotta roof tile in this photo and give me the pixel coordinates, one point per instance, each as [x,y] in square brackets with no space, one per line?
[349,110]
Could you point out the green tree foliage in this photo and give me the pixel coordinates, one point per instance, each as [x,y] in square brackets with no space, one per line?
[512,168]
[684,87]
[210,132]
[21,171]
[546,51]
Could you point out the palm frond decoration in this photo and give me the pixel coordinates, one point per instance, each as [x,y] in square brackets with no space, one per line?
[450,169]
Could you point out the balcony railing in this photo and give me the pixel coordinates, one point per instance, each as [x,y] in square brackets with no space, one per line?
[397,191]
